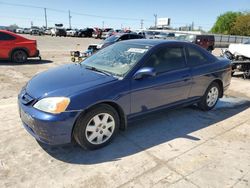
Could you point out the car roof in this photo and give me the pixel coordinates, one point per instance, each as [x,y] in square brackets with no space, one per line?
[153,42]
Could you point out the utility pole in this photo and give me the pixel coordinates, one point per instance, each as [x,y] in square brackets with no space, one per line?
[103,24]
[155,15]
[45,14]
[70,20]
[142,23]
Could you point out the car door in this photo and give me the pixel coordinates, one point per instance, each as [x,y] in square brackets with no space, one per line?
[202,70]
[170,85]
[6,43]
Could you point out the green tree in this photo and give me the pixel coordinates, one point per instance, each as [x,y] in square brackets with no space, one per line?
[225,22]
[241,25]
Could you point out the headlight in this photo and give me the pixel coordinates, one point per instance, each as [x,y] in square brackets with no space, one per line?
[54,105]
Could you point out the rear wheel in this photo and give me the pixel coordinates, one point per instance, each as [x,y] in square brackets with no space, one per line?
[96,128]
[210,98]
[19,56]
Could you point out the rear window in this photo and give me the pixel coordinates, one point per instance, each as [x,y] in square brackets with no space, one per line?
[5,36]
[195,57]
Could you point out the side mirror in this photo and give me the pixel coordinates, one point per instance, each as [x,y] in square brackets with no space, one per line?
[144,72]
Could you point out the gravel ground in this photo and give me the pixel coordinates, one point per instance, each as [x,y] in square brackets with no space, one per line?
[177,148]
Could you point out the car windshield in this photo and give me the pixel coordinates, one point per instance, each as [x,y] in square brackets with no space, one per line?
[116,59]
[113,38]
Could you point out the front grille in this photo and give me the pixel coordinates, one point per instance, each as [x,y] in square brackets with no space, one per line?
[26,98]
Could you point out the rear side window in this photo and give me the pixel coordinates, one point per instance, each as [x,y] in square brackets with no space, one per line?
[124,37]
[195,57]
[135,37]
[5,36]
[167,59]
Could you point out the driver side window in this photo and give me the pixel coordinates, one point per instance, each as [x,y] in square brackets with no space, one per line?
[167,59]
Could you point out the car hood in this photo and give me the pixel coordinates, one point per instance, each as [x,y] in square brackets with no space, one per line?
[65,81]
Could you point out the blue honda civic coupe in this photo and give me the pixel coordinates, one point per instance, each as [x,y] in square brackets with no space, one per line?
[91,101]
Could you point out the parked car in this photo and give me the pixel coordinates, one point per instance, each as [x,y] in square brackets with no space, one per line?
[107,32]
[120,82]
[36,32]
[26,31]
[97,33]
[16,48]
[149,34]
[20,30]
[205,41]
[58,32]
[163,35]
[118,37]
[47,32]
[239,54]
[87,32]
[72,32]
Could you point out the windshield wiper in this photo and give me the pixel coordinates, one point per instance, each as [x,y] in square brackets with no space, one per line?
[98,70]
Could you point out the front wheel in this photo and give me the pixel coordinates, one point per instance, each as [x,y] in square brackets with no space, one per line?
[210,98]
[96,128]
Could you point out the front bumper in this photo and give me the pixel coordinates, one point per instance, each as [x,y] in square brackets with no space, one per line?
[52,129]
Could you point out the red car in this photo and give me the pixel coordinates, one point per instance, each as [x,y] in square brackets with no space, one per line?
[16,48]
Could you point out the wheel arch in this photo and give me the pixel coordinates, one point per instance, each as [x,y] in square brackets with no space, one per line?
[117,107]
[18,48]
[220,83]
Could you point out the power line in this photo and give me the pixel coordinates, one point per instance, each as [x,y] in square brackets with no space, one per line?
[90,15]
[72,12]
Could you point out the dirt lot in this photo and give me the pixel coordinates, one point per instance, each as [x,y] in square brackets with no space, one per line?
[177,148]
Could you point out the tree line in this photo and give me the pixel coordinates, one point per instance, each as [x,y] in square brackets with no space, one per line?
[233,23]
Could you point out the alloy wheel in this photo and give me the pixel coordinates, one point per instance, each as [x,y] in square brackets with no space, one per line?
[212,96]
[100,128]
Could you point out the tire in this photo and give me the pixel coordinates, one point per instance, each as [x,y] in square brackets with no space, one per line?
[19,56]
[210,49]
[97,127]
[212,92]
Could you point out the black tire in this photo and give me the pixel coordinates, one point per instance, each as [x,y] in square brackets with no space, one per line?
[210,49]
[79,132]
[73,59]
[19,56]
[203,104]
